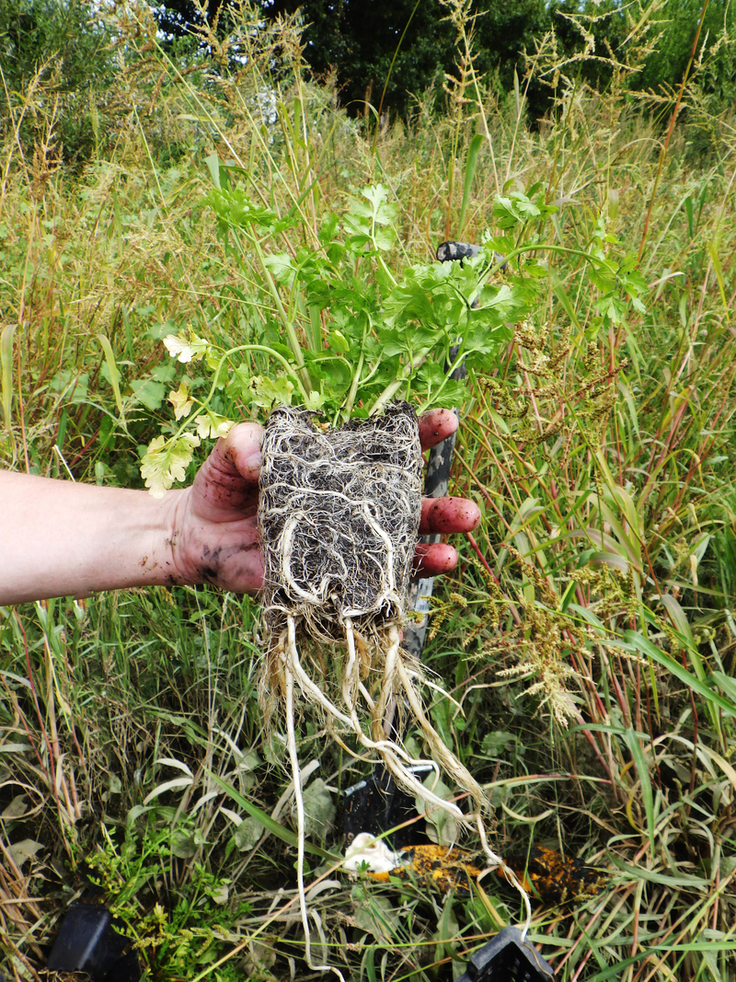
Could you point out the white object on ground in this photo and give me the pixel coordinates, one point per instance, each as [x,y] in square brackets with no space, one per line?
[373,852]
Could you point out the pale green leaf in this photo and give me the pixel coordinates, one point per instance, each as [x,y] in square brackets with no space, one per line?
[319,809]
[166,461]
[267,393]
[211,424]
[181,400]
[185,349]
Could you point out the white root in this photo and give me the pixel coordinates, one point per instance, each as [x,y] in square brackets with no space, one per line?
[299,801]
[446,758]
[339,517]
[495,862]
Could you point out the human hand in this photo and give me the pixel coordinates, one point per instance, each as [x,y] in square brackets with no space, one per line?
[441,515]
[216,534]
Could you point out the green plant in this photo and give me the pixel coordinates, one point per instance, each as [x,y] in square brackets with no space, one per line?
[623,574]
[171,936]
[335,331]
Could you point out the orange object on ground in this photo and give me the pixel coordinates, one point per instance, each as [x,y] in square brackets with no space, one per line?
[439,867]
[554,878]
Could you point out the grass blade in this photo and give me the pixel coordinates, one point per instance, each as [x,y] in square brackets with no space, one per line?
[471,163]
[6,372]
[114,373]
[280,831]
[637,754]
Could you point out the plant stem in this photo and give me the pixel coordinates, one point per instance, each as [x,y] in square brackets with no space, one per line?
[390,391]
[285,320]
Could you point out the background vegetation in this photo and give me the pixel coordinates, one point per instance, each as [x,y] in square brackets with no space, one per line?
[587,637]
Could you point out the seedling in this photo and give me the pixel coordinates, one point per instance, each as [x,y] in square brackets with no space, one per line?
[341,340]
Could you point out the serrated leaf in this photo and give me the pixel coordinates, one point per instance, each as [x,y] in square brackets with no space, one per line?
[267,393]
[281,267]
[211,424]
[181,400]
[384,238]
[314,401]
[601,278]
[613,308]
[517,207]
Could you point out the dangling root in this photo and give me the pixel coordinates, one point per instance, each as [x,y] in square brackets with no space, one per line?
[339,518]
[299,801]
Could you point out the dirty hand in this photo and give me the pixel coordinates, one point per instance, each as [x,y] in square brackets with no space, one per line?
[216,535]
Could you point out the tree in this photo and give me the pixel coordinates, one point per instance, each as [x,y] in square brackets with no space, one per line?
[69,47]
[406,46]
[402,46]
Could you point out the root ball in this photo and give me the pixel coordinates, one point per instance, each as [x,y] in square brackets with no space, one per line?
[339,518]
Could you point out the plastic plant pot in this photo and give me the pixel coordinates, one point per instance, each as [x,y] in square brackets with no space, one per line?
[87,942]
[507,958]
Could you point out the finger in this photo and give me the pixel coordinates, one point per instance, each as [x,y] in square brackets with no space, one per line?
[242,446]
[226,486]
[435,426]
[433,559]
[442,516]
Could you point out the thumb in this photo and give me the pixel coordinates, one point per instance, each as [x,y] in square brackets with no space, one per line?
[226,485]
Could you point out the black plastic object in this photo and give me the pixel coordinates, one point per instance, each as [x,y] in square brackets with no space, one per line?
[457,251]
[87,942]
[507,958]
[454,251]
[377,805]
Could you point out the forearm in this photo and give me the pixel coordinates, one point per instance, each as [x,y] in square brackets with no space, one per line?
[58,538]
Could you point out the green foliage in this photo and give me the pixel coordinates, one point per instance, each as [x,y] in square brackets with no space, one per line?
[59,47]
[678,21]
[356,336]
[586,640]
[651,45]
[383,56]
[168,941]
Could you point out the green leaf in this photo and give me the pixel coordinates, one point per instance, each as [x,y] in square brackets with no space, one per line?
[281,267]
[319,808]
[267,393]
[113,374]
[645,647]
[337,341]
[517,207]
[286,835]
[213,166]
[149,393]
[642,769]
[248,833]
[471,162]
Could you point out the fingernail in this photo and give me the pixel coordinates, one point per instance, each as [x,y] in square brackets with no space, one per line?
[254,460]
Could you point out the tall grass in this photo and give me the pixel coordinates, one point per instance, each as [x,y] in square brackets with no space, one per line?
[599,453]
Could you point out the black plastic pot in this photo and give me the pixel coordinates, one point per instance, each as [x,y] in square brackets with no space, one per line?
[87,942]
[507,958]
